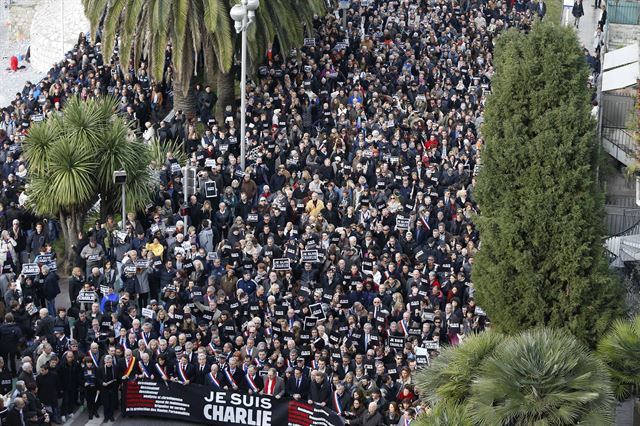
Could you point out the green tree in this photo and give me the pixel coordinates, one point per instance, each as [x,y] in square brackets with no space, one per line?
[619,350]
[542,260]
[72,158]
[445,415]
[542,377]
[451,374]
[195,27]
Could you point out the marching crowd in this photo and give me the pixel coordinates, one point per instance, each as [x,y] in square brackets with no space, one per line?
[330,269]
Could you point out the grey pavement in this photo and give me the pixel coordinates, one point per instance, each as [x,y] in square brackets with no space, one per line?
[588,24]
[12,82]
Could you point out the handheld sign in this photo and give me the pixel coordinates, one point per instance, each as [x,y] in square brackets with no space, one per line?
[402,223]
[147,313]
[282,264]
[317,311]
[397,342]
[310,322]
[210,189]
[309,255]
[431,344]
[30,269]
[130,269]
[86,297]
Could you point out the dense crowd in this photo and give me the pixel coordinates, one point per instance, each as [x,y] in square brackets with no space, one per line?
[329,270]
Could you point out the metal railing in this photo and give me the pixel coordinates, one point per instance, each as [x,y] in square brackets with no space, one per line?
[624,12]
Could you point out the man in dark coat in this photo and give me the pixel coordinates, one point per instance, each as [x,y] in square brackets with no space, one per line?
[50,288]
[10,335]
[371,418]
[297,386]
[48,391]
[69,372]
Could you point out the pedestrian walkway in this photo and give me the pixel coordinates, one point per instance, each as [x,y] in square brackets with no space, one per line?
[12,82]
[588,24]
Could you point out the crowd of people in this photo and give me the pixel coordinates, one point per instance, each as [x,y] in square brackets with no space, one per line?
[328,270]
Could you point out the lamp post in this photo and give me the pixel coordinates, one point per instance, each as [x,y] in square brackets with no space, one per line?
[242,15]
[120,178]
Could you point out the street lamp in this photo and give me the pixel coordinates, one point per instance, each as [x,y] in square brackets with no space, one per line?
[242,15]
[120,178]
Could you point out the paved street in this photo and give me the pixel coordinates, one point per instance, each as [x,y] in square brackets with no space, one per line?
[12,82]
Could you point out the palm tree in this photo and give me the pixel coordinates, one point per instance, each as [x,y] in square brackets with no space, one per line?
[619,350]
[445,414]
[451,374]
[194,27]
[542,377]
[72,158]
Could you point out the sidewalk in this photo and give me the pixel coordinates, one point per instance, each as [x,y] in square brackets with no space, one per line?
[12,82]
[588,24]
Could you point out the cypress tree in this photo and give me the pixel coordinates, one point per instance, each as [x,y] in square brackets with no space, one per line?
[542,261]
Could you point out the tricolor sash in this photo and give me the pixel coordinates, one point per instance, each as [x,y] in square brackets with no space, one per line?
[145,338]
[144,370]
[230,377]
[183,374]
[406,421]
[252,384]
[336,403]
[403,326]
[130,365]
[95,359]
[161,371]
[214,381]
[213,348]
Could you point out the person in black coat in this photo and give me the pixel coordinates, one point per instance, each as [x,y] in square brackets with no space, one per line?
[10,335]
[44,326]
[70,373]
[50,288]
[5,378]
[107,379]
[202,368]
[253,383]
[90,386]
[319,390]
[16,416]
[48,387]
[297,386]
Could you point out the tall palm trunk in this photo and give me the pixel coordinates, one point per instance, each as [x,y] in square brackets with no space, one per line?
[226,93]
[184,100]
[71,225]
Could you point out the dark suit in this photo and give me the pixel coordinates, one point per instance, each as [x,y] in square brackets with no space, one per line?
[238,378]
[298,386]
[201,374]
[541,9]
[257,380]
[109,393]
[189,371]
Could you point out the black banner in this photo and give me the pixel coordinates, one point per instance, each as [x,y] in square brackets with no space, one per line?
[201,404]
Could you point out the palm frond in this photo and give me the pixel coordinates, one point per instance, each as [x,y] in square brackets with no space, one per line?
[619,350]
[451,374]
[39,140]
[542,376]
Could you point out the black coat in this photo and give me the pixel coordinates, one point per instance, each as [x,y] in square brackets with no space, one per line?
[48,388]
[50,287]
[10,335]
[320,392]
[292,387]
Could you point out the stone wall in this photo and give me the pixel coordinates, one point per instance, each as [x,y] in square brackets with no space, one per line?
[54,31]
[621,35]
[19,19]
